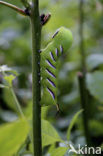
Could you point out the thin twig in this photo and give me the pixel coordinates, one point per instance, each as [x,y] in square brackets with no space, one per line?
[19,108]
[18,10]
[17,103]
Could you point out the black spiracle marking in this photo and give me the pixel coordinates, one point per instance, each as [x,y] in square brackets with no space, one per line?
[50,73]
[52,57]
[50,64]
[51,92]
[51,82]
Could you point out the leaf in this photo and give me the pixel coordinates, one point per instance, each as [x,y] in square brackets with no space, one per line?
[95,85]
[94,60]
[49,134]
[60,151]
[12,136]
[72,123]
[51,148]
[71,97]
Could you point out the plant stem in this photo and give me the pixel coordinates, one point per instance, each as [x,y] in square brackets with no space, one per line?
[19,108]
[82,78]
[20,11]
[84,106]
[82,48]
[36,39]
[17,103]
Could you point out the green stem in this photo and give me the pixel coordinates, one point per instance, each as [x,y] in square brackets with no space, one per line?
[84,106]
[14,96]
[82,78]
[19,108]
[36,39]
[20,11]
[17,103]
[82,48]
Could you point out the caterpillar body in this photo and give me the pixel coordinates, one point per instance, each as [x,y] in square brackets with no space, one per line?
[60,43]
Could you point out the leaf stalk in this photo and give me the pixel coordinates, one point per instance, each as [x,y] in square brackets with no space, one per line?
[18,10]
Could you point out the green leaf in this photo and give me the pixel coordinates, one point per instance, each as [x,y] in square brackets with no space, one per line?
[94,61]
[95,85]
[60,151]
[72,123]
[51,148]
[49,134]
[12,136]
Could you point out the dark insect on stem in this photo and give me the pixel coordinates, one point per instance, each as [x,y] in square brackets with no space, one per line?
[44,18]
[27,11]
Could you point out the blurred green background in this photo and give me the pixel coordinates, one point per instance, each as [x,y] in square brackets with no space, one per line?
[15,52]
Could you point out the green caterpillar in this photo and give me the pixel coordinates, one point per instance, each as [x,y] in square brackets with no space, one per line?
[60,43]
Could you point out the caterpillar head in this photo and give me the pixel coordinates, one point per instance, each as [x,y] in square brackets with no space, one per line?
[63,37]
